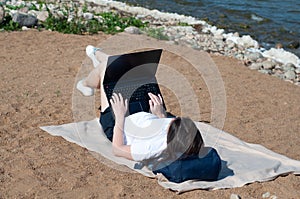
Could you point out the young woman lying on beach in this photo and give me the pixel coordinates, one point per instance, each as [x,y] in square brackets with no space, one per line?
[171,146]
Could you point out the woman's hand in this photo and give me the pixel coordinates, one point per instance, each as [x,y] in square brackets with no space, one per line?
[119,106]
[156,105]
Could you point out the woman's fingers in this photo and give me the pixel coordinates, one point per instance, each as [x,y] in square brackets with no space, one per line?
[160,98]
[151,104]
[113,98]
[126,103]
[119,105]
[155,99]
[118,98]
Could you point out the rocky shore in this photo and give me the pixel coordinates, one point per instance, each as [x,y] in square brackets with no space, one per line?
[174,28]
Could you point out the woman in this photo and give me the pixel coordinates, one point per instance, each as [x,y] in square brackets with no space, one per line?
[171,146]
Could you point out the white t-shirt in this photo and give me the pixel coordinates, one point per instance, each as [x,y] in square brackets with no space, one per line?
[147,135]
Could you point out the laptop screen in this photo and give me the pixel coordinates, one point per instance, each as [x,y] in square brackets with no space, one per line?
[132,66]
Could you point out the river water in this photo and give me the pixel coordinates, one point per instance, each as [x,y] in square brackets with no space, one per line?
[268,21]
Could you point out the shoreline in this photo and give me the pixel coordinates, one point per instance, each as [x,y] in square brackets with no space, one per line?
[197,34]
[200,35]
[266,27]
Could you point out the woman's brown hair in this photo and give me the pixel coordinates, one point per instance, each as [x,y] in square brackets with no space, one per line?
[183,140]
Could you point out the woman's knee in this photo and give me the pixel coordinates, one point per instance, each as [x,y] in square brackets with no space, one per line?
[101,56]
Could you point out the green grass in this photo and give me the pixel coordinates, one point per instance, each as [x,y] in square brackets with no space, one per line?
[113,23]
[110,22]
[9,25]
[12,7]
[183,24]
[156,33]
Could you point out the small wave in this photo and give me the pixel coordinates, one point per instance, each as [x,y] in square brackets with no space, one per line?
[293,11]
[189,3]
[256,18]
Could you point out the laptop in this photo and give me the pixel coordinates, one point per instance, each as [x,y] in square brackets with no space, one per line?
[133,75]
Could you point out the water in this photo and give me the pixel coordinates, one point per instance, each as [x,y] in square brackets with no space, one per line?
[268,21]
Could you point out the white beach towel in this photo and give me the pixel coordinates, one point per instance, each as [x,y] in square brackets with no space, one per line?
[242,163]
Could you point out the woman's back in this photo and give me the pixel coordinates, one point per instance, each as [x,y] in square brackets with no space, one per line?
[147,135]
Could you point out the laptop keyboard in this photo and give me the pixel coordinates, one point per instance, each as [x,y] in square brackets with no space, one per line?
[132,92]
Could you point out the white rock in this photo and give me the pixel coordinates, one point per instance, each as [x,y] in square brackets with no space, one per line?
[236,34]
[248,42]
[132,30]
[230,44]
[215,31]
[42,15]
[290,75]
[99,18]
[146,12]
[88,16]
[255,66]
[282,56]
[2,14]
[252,56]
[239,56]
[244,42]
[24,28]
[287,68]
[263,71]
[268,64]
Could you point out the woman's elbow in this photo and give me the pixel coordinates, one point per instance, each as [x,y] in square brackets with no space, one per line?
[122,151]
[115,151]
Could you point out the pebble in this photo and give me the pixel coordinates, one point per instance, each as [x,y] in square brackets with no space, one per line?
[253,56]
[290,75]
[88,16]
[266,195]
[255,66]
[289,66]
[24,28]
[132,30]
[2,14]
[234,196]
[268,64]
[263,71]
[42,15]
[230,44]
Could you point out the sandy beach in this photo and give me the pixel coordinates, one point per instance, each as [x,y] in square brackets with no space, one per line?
[38,72]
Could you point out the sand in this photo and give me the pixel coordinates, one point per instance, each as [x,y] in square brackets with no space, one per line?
[38,73]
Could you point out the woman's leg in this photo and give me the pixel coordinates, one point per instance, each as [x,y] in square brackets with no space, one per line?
[95,77]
